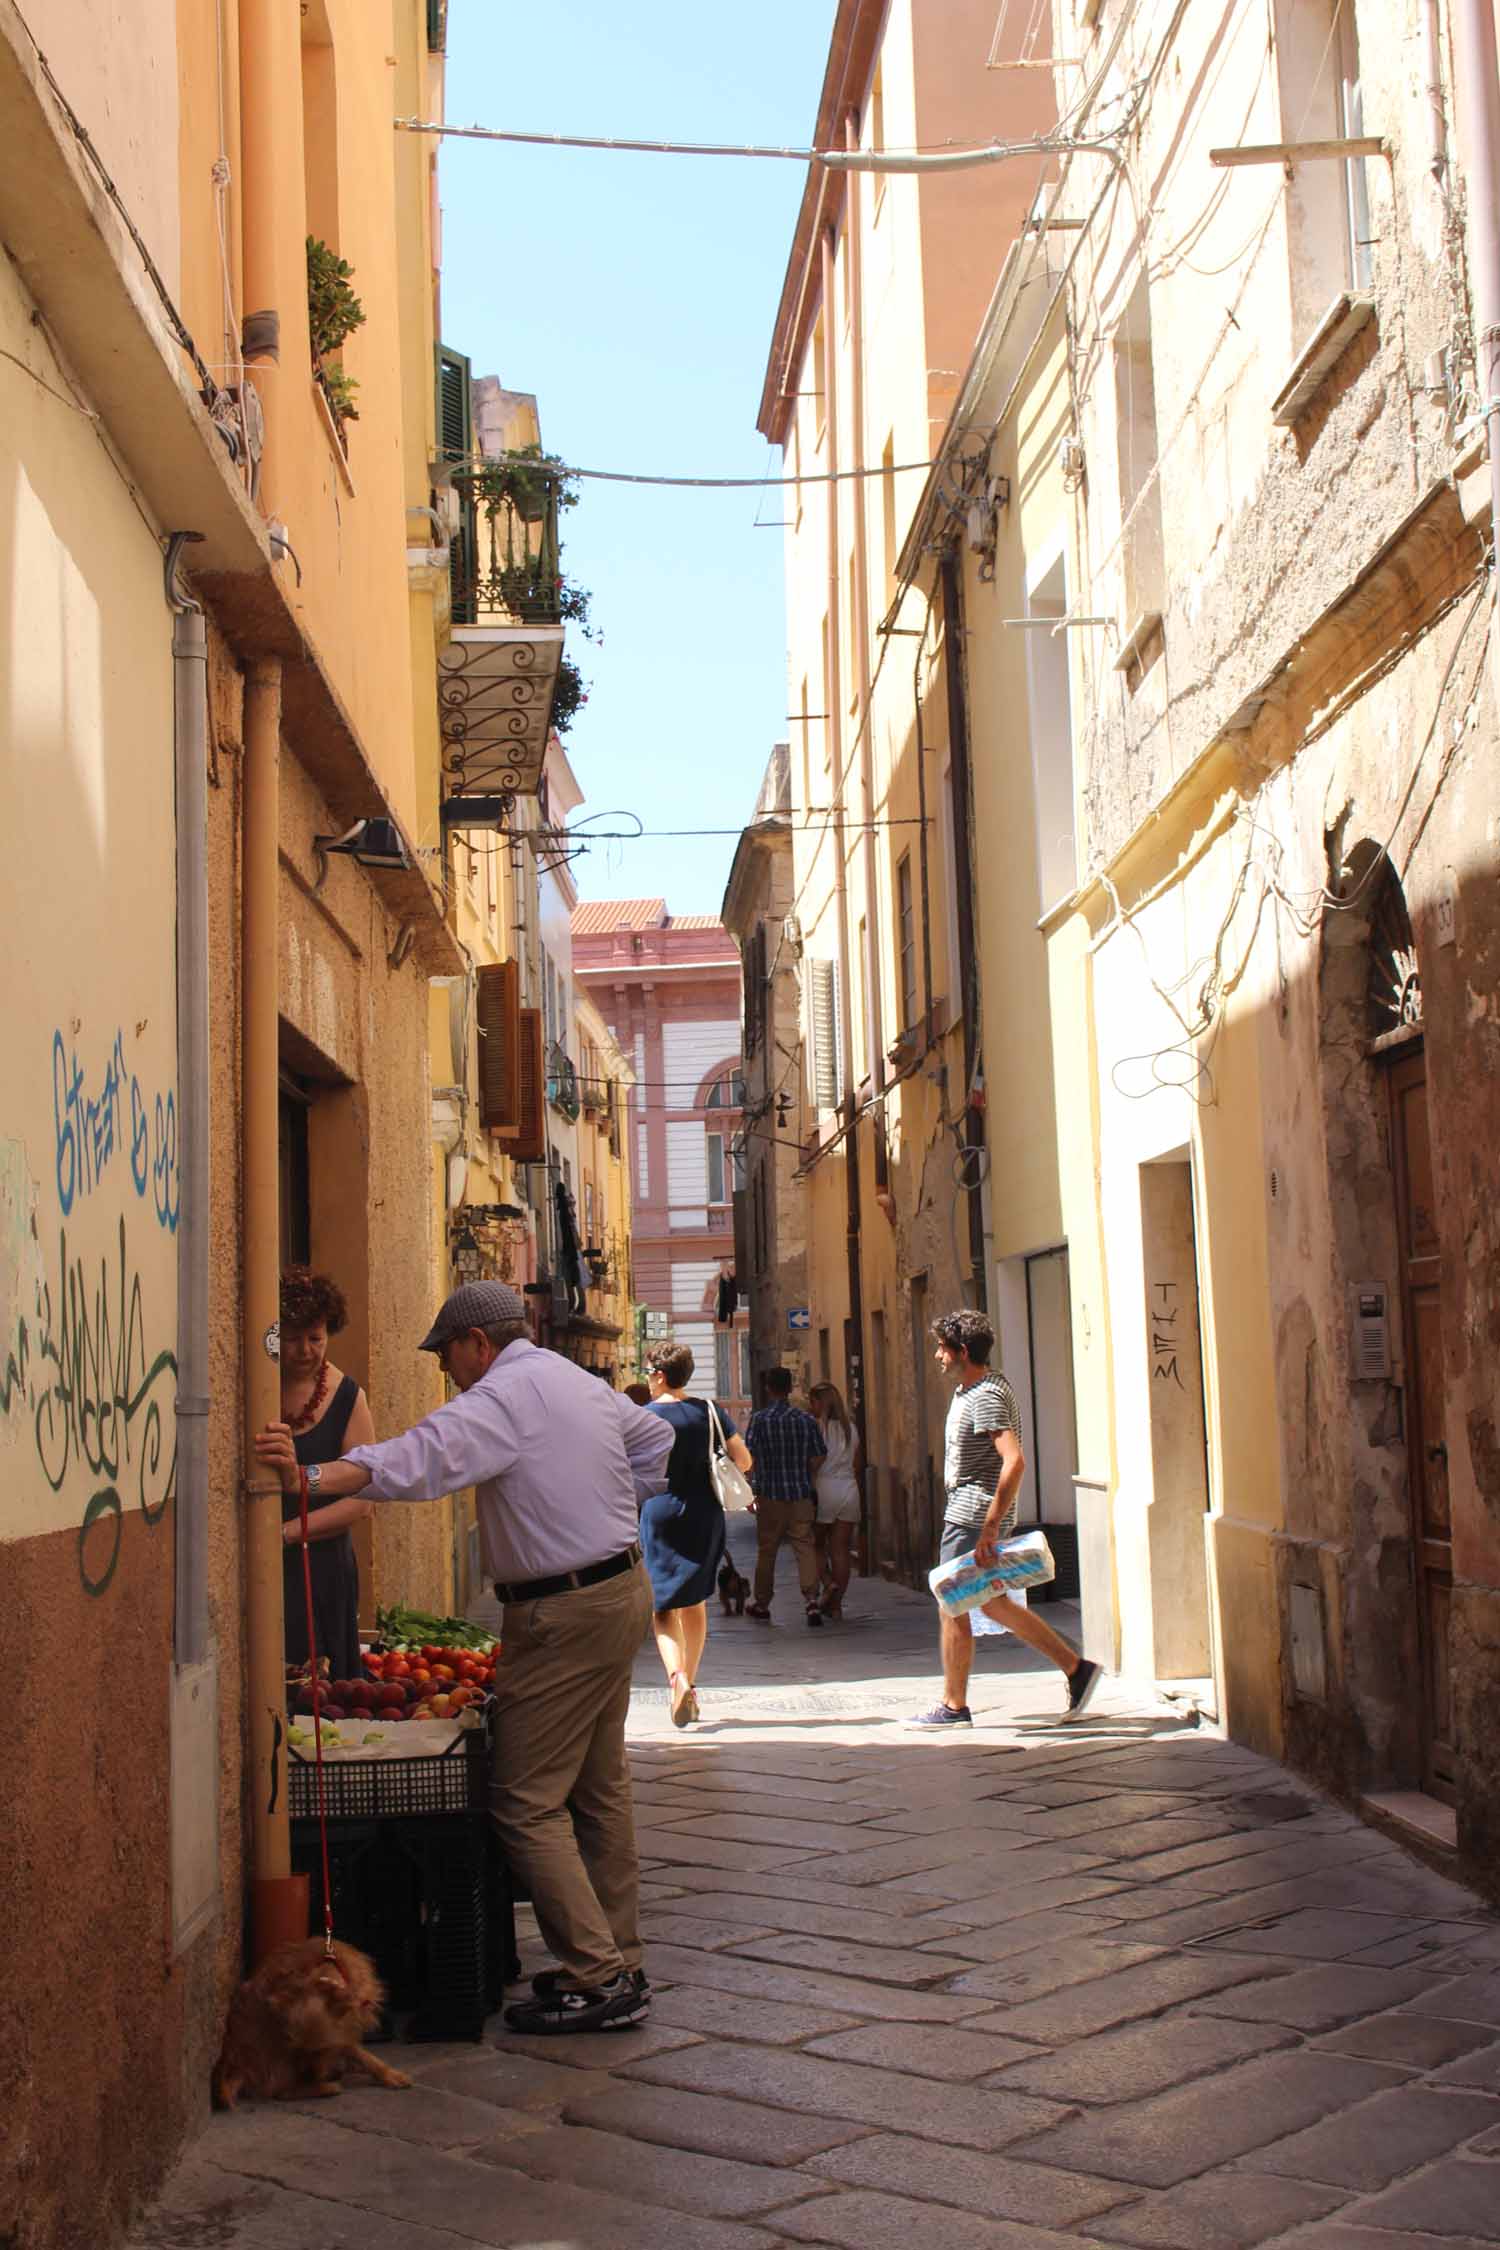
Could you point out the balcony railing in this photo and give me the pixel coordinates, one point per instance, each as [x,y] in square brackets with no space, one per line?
[504,566]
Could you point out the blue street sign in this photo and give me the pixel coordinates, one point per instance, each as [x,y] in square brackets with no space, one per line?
[799,1317]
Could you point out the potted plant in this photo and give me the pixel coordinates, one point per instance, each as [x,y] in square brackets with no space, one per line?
[333,314]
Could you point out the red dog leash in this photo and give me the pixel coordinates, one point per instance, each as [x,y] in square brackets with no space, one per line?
[317,1703]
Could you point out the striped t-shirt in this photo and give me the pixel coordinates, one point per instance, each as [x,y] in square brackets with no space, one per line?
[971,1466]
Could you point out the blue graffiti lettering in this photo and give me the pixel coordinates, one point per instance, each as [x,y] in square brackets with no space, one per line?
[89,1127]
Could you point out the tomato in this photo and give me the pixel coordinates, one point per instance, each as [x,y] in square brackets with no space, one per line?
[398,1669]
[443,1672]
[420,1672]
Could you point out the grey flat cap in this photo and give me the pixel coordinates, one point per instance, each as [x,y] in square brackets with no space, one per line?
[478,1304]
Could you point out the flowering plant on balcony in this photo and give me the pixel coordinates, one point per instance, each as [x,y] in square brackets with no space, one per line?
[525,479]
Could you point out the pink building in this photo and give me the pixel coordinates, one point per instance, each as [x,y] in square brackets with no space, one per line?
[668,986]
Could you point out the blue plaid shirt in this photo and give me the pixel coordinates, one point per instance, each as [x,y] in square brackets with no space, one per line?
[786,1445]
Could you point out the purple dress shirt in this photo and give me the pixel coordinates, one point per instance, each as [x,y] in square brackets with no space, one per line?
[559,1463]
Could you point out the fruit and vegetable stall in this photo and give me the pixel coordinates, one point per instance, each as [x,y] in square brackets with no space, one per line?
[415,1877]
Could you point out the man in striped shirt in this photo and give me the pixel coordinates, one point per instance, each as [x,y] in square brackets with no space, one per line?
[982,1469]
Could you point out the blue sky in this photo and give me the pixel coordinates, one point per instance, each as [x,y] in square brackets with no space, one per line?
[635,296]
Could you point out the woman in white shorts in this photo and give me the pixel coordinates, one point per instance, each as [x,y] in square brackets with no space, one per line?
[838,1483]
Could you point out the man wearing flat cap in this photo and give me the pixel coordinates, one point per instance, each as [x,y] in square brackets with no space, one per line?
[559,1463]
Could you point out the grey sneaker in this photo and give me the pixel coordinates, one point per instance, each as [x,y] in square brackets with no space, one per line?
[614,2007]
[942,1715]
[1082,1683]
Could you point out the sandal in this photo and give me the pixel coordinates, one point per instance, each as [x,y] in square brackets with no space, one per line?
[684,1701]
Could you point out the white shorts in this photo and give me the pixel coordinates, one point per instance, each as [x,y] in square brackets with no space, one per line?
[840,1504]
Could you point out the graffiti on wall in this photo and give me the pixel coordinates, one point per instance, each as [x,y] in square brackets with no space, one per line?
[1165,1342]
[95,1121]
[80,1364]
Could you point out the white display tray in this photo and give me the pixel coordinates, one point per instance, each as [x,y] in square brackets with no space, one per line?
[408,1738]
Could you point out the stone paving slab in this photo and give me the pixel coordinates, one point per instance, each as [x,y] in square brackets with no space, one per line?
[1373,2144]
[1080,2011]
[206,2205]
[747,2131]
[867,2221]
[1473,1999]
[880,1964]
[1171,2137]
[1319,1999]
[763,1980]
[861,1925]
[1141,2058]
[1220,2213]
[994,2186]
[969,2117]
[1456,2198]
[673,2179]
[923,2050]
[1417,2042]
[771,2023]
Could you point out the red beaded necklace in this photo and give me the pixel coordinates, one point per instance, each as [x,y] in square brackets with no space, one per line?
[314,1406]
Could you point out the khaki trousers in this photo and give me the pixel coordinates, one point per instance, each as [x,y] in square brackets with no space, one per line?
[560,1791]
[776,1520]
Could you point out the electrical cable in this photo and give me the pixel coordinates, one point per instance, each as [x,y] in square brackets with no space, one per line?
[948,157]
[694,484]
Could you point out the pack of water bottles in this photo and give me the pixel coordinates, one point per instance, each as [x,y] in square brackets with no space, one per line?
[963,1584]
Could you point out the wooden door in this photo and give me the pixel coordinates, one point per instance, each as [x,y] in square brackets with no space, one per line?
[1426,1423]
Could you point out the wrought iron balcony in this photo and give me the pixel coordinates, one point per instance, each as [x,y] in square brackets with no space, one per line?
[498,671]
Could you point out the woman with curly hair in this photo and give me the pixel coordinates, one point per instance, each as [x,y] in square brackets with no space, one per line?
[327,1412]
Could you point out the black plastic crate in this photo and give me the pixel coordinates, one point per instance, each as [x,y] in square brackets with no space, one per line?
[455,1780]
[426,1900]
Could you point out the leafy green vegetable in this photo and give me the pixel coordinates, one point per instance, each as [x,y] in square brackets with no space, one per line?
[400,1627]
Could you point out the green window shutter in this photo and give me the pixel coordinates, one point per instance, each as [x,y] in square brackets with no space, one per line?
[437,26]
[455,413]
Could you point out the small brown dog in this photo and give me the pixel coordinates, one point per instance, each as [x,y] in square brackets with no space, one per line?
[296,2025]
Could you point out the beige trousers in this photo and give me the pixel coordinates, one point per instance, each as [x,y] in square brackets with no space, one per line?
[776,1520]
[560,1792]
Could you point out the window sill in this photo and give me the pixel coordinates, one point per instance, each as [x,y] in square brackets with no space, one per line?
[331,432]
[1137,656]
[1319,356]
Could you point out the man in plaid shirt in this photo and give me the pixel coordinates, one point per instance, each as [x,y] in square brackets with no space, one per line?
[786,1446]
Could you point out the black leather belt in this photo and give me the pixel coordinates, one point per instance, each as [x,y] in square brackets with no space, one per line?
[537,1589]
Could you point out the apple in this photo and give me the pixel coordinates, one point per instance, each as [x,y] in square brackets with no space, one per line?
[443,1672]
[334,1711]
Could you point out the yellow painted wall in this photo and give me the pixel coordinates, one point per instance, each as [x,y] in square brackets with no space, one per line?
[88,1140]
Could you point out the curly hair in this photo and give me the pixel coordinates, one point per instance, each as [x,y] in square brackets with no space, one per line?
[674,1363]
[308,1298]
[968,1332]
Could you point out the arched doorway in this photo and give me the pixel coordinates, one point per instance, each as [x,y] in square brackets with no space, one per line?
[1396,1044]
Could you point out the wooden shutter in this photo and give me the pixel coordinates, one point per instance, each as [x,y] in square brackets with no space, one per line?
[455,413]
[527,1144]
[824,1016]
[498,1009]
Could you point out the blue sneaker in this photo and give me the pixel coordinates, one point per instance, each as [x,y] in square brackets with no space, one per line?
[942,1715]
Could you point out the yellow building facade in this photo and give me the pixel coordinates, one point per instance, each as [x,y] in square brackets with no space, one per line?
[884,291]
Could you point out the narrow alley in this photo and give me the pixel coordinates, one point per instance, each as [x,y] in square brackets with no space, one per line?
[1118,1981]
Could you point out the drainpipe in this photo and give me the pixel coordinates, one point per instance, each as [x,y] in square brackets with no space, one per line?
[959,748]
[272,225]
[833,694]
[278,1899]
[190,747]
[1477,79]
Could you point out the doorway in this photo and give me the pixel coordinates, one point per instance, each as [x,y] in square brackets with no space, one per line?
[1426,1426]
[923,1530]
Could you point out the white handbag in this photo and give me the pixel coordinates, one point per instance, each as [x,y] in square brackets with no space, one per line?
[731,1485]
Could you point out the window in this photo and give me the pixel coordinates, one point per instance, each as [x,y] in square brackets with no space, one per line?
[588,1210]
[888,512]
[906,933]
[723,1363]
[716,1168]
[745,1389]
[1328,203]
[756,992]
[1140,487]
[1050,723]
[728,1092]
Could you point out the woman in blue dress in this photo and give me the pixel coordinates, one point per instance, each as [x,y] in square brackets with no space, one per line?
[682,1529]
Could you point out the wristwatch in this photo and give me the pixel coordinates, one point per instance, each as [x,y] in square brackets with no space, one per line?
[314,1476]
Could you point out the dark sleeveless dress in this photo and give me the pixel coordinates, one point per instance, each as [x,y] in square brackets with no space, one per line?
[682,1529]
[335,1573]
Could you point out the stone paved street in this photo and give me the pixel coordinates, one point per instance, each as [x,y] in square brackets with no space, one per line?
[1117,1982]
